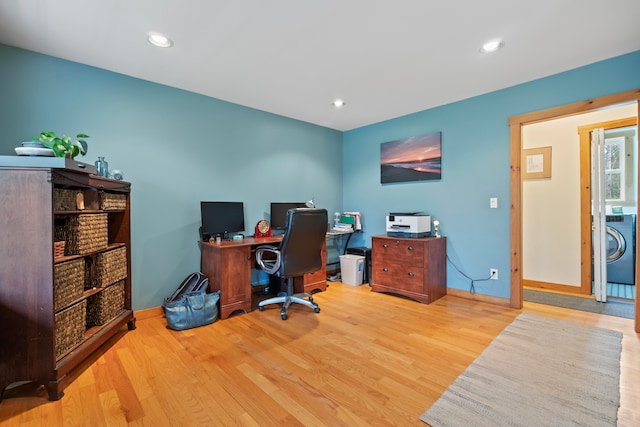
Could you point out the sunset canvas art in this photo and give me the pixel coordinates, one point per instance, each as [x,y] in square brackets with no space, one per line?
[418,158]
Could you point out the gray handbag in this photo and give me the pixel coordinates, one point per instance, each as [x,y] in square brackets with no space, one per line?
[191,310]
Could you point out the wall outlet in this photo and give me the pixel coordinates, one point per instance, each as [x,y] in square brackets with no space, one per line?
[493,274]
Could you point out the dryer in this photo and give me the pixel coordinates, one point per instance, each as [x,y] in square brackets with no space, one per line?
[621,248]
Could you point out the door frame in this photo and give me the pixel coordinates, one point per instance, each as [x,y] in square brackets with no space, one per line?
[515,130]
[585,195]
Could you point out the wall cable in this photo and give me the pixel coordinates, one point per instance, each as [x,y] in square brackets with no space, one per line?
[472,288]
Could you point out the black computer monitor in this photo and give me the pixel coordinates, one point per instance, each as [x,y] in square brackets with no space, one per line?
[221,219]
[279,213]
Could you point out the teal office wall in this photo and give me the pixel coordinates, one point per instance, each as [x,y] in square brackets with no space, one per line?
[475,167]
[176,148]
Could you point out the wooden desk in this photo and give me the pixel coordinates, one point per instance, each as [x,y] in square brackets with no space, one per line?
[228,266]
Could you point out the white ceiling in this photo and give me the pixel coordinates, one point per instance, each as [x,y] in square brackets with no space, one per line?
[385,58]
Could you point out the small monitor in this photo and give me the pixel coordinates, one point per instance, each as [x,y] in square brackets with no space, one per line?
[279,213]
[222,218]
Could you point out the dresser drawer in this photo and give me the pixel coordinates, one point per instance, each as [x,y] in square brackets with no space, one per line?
[400,251]
[399,276]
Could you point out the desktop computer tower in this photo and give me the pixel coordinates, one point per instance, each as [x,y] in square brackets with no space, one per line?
[366,253]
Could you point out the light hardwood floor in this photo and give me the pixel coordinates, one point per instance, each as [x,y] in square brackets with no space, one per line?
[365,359]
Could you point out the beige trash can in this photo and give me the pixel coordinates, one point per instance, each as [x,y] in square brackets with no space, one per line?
[351,269]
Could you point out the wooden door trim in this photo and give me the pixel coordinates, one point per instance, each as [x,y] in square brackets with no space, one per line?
[515,125]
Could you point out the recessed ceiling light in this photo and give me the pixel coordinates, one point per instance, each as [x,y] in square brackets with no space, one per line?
[159,40]
[338,103]
[492,46]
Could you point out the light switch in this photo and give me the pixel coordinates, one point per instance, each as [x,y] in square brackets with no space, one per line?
[493,203]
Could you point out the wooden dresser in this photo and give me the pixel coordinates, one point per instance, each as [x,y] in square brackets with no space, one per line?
[415,268]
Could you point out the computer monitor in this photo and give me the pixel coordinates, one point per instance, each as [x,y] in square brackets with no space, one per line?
[221,219]
[279,213]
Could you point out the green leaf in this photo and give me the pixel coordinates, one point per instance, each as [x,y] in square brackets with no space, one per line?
[59,150]
[48,135]
[47,139]
[82,135]
[46,142]
[82,145]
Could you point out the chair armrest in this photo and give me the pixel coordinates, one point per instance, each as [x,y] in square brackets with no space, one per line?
[268,265]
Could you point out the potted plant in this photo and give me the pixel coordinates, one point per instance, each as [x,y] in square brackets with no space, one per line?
[63,146]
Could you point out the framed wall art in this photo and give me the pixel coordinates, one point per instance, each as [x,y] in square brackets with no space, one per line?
[536,163]
[417,158]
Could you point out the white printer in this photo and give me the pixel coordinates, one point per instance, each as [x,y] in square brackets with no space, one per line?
[408,224]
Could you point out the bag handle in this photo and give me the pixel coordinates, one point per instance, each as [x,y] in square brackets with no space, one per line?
[196,299]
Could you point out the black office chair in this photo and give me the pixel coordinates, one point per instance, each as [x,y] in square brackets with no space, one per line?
[300,252]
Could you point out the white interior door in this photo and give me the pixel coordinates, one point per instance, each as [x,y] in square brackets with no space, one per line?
[599,215]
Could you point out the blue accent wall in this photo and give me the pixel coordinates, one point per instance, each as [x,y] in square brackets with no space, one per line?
[176,148]
[475,167]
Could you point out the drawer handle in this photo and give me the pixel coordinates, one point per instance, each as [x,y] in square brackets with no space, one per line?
[410,248]
[410,274]
[385,269]
[385,246]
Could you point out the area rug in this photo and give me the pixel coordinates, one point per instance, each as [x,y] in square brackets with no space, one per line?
[613,307]
[537,372]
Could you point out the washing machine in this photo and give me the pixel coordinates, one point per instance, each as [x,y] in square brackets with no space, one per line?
[621,248]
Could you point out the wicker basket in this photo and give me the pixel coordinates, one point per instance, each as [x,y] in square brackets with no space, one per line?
[64,200]
[105,305]
[105,268]
[69,327]
[113,201]
[58,249]
[68,282]
[84,233]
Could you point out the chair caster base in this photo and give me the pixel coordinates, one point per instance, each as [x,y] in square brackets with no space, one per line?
[290,298]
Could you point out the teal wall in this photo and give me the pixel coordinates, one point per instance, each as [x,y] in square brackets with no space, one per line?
[176,148]
[475,167]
